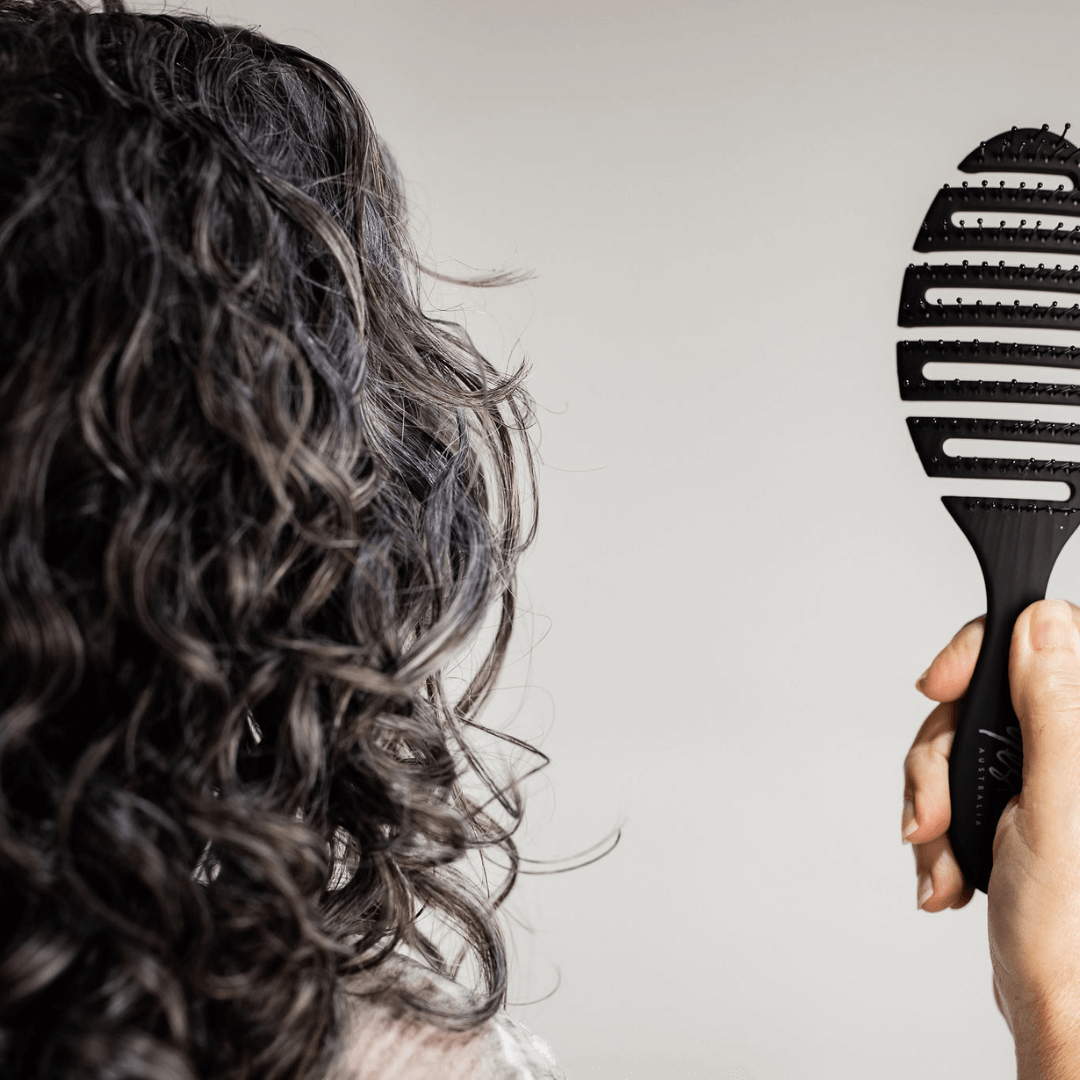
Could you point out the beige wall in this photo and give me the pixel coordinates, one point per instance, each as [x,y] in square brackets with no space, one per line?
[741,569]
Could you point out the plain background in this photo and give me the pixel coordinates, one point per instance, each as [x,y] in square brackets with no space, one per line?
[741,568]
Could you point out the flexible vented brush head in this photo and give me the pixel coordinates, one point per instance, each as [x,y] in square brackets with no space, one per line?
[1016,540]
[1054,214]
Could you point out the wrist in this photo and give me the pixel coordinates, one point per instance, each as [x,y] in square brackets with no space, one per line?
[1047,1036]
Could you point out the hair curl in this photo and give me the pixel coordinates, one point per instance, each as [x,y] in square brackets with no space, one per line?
[252,501]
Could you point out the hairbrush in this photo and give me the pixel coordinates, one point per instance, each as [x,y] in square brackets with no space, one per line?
[1017,541]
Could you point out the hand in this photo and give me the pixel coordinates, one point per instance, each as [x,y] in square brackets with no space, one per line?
[1034,892]
[926,816]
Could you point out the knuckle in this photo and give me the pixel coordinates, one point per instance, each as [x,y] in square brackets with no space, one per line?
[914,766]
[941,746]
[1055,695]
[926,764]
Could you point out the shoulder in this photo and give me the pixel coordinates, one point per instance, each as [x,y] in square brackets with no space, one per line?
[387,1042]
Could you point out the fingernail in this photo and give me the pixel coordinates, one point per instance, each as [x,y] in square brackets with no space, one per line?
[1052,625]
[908,824]
[926,888]
[920,680]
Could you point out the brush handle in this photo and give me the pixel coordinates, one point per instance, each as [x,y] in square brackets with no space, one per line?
[1017,546]
[985,765]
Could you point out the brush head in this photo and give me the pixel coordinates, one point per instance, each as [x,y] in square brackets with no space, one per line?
[962,219]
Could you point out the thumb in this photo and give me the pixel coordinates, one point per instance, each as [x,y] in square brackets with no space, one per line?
[1044,675]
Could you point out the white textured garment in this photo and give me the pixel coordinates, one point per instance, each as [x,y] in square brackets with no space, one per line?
[390,1043]
[527,1055]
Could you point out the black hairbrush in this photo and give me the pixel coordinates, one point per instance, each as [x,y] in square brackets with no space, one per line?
[1017,541]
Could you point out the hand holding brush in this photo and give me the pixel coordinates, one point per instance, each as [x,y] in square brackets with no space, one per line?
[1017,540]
[1034,888]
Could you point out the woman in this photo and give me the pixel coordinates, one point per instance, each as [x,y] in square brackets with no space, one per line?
[252,502]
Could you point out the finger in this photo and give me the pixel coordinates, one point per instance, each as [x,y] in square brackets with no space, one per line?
[940,884]
[947,678]
[965,897]
[1044,674]
[927,812]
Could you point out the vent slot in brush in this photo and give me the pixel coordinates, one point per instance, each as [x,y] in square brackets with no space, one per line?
[1032,452]
[1017,541]
[912,356]
[1064,314]
[946,371]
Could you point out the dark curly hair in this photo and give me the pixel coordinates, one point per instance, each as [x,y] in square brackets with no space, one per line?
[253,500]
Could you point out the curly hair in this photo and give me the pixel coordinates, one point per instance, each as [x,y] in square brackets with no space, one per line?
[253,502]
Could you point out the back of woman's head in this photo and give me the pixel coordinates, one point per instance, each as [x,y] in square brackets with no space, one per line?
[252,500]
